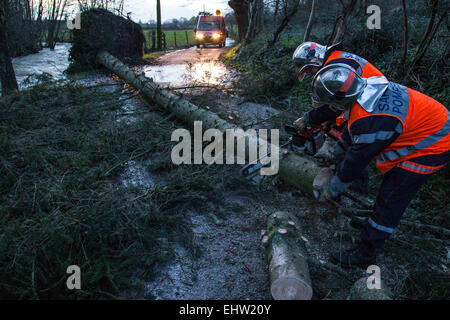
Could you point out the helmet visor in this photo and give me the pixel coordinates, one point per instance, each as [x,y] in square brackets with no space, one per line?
[309,69]
[337,85]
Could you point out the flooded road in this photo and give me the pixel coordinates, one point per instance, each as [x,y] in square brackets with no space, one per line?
[190,66]
[46,61]
[178,67]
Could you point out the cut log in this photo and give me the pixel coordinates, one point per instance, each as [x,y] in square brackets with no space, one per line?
[295,170]
[360,291]
[286,254]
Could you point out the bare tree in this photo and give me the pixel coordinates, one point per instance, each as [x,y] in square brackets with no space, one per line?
[310,21]
[405,34]
[256,12]
[56,9]
[7,75]
[115,6]
[341,22]
[241,10]
[429,35]
[290,9]
[277,8]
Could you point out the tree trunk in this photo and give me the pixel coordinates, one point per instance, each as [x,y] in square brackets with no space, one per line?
[180,107]
[295,170]
[310,21]
[253,24]
[277,8]
[342,23]
[288,16]
[430,25]
[7,75]
[405,35]
[287,258]
[240,8]
[428,38]
[158,25]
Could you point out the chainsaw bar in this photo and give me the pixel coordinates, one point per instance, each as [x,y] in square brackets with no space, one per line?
[298,142]
[252,168]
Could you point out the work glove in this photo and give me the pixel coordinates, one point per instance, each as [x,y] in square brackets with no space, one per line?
[327,186]
[320,184]
[301,123]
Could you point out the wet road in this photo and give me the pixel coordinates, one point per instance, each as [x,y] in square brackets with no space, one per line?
[181,67]
[190,66]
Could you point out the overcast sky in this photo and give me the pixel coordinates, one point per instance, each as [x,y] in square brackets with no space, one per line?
[146,9]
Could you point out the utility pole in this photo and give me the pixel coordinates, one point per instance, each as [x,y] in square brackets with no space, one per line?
[158,23]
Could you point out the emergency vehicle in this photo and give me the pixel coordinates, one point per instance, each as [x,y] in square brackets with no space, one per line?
[210,29]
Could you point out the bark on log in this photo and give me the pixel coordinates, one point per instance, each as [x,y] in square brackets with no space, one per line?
[295,170]
[288,261]
[360,291]
[298,171]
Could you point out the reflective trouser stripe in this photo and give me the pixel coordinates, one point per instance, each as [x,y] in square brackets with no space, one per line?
[419,168]
[421,145]
[379,227]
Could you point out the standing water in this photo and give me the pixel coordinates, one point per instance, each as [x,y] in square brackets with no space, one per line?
[52,62]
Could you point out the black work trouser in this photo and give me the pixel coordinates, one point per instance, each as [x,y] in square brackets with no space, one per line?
[398,188]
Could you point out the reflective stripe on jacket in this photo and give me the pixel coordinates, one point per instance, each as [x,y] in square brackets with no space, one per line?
[424,129]
[365,70]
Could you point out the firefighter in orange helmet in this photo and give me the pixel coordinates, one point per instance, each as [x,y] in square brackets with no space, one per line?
[408,133]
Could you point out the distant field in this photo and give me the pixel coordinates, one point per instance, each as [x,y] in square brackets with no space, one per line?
[170,37]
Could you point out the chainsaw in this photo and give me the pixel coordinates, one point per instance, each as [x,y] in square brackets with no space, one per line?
[303,142]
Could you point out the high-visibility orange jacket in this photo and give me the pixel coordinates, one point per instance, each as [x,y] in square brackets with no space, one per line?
[425,125]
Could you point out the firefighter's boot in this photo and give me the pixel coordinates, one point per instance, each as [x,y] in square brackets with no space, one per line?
[361,256]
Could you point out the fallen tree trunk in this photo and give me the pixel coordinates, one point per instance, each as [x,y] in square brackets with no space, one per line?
[295,170]
[288,261]
[181,108]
